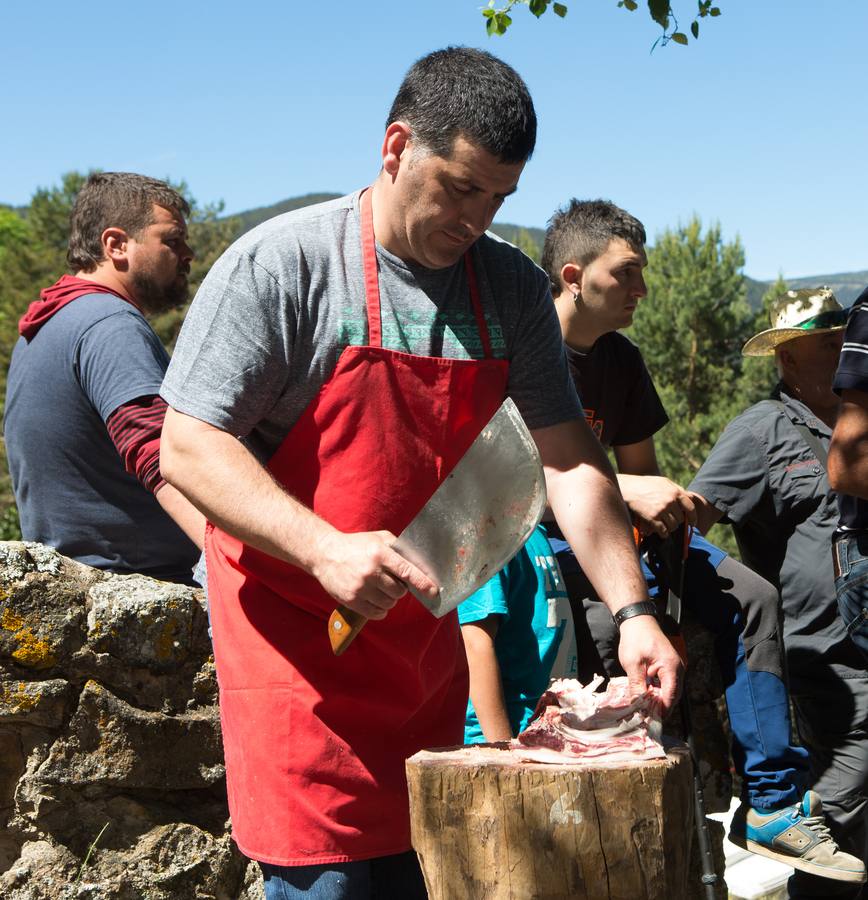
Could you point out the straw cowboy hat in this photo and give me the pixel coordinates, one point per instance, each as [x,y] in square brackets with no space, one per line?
[797,314]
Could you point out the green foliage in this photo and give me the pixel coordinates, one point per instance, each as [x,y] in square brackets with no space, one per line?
[498,18]
[529,240]
[691,326]
[253,217]
[690,330]
[525,242]
[50,208]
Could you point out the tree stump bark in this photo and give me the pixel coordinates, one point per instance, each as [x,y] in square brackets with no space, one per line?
[487,826]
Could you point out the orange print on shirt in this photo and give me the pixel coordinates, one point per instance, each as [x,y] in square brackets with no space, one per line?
[595,424]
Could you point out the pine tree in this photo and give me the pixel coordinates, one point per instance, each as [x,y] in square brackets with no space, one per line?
[691,329]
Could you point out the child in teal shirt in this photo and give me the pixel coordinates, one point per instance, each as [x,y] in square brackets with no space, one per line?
[513,628]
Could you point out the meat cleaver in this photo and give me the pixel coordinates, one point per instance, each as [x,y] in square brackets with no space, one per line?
[474,523]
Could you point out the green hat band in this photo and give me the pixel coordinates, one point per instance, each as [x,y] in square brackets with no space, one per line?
[829,319]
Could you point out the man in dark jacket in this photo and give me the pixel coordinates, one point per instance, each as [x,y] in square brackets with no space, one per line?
[766,476]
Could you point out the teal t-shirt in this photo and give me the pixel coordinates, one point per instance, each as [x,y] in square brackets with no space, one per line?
[529,595]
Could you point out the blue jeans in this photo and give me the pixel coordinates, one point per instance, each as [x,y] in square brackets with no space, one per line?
[396,877]
[850,553]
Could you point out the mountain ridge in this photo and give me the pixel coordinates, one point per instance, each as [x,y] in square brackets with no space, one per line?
[846,285]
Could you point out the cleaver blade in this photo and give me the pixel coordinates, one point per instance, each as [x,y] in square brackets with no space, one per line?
[474,523]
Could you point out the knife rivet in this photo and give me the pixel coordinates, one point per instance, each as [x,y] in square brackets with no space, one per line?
[337,625]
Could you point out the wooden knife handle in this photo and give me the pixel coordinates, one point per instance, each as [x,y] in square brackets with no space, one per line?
[344,625]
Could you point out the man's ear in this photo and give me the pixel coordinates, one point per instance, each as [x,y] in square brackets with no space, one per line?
[571,277]
[786,361]
[114,244]
[395,143]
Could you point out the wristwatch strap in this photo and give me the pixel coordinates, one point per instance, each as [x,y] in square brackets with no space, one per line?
[645,608]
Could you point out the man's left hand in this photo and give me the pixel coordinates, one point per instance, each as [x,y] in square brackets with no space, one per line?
[648,658]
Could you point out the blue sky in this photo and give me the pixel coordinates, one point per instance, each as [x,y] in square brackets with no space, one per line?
[759,125]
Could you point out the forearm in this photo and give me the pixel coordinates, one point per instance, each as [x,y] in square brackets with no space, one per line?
[848,472]
[486,686]
[590,511]
[583,495]
[223,480]
[588,506]
[848,450]
[185,515]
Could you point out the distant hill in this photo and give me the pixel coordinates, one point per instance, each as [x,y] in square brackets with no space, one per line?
[511,233]
[846,285]
[253,217]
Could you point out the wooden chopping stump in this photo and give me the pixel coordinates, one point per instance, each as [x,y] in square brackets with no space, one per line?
[488,826]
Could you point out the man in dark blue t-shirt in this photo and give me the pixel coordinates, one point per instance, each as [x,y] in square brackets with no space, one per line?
[83,416]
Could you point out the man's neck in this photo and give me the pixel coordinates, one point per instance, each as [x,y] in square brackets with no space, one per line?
[578,327]
[825,413]
[385,232]
[107,277]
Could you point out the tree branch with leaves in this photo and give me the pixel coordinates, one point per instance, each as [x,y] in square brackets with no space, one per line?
[498,18]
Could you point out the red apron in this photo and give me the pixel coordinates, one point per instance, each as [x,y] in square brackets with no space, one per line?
[315,745]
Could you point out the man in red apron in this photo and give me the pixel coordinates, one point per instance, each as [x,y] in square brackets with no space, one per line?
[333,369]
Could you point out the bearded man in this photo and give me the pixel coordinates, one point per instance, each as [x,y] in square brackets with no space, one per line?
[83,413]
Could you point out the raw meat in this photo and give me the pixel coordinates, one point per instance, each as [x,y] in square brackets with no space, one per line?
[573,723]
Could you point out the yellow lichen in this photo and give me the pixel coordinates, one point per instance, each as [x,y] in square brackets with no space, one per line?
[32,651]
[9,621]
[15,698]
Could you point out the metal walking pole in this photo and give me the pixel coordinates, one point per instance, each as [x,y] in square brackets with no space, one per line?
[671,624]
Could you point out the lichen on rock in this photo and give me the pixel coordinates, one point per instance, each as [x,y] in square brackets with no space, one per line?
[108,717]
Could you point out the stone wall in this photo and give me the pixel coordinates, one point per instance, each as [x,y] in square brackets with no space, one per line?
[111,768]
[111,771]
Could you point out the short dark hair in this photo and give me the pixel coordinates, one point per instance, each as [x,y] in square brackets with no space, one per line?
[114,200]
[582,230]
[468,92]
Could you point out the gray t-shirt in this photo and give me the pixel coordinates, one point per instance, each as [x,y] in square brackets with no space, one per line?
[771,487]
[269,322]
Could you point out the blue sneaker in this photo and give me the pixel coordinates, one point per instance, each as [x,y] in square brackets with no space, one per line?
[797,836]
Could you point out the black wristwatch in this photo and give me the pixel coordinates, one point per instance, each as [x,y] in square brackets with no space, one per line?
[645,608]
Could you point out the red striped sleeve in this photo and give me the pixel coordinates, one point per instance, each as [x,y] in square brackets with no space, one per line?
[135,431]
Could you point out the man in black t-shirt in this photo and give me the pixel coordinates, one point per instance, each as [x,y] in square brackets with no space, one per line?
[594,256]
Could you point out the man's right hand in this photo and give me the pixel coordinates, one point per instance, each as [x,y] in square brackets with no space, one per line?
[364,573]
[658,504]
